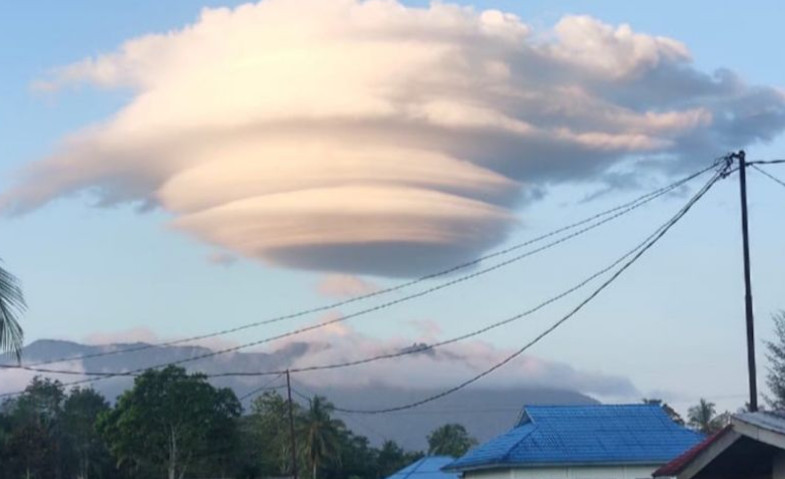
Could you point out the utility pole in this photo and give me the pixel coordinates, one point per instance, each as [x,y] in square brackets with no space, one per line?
[741,157]
[291,425]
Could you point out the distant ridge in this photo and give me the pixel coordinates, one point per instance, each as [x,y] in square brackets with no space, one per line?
[485,411]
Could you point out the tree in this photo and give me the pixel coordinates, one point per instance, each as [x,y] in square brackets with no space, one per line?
[320,435]
[703,417]
[81,411]
[450,440]
[392,458]
[270,413]
[675,416]
[775,350]
[35,444]
[12,304]
[170,421]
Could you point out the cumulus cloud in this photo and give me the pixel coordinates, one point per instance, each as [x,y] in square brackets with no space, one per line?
[345,286]
[454,364]
[339,342]
[375,138]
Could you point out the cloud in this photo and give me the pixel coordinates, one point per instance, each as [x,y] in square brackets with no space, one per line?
[18,379]
[374,138]
[345,286]
[132,335]
[439,367]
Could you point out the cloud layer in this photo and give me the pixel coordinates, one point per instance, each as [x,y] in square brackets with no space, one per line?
[437,368]
[371,137]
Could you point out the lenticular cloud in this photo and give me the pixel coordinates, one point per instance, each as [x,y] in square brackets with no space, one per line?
[371,137]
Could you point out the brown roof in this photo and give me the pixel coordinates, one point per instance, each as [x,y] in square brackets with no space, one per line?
[677,465]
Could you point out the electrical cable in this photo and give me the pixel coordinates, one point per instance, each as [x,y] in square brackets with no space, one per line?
[265,386]
[96,376]
[615,212]
[365,360]
[766,162]
[558,323]
[770,176]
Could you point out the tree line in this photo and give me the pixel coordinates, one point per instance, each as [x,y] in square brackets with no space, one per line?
[175,425]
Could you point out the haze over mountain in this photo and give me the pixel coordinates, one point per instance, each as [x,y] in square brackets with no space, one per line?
[485,410]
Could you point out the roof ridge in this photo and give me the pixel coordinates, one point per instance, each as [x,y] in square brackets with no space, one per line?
[533,428]
[597,406]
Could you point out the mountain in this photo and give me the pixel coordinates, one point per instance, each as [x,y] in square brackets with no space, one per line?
[485,411]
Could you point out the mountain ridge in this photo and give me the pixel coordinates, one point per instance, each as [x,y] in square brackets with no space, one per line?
[485,411]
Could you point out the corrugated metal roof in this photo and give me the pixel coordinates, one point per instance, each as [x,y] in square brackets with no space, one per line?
[678,464]
[772,421]
[428,467]
[595,434]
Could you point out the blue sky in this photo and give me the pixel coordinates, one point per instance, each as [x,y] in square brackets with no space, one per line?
[673,326]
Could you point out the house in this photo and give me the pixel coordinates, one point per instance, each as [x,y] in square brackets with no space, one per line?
[752,446]
[429,467]
[580,442]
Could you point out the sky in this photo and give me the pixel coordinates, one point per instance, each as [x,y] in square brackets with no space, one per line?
[171,169]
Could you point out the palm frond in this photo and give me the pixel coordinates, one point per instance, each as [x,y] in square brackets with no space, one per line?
[12,305]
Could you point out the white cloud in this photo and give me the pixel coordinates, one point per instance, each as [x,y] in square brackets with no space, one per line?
[454,364]
[371,137]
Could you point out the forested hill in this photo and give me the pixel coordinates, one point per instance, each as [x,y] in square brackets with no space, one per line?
[484,411]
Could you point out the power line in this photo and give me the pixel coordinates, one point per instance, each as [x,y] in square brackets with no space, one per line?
[770,176]
[477,332]
[264,387]
[766,162]
[561,321]
[97,376]
[400,353]
[614,212]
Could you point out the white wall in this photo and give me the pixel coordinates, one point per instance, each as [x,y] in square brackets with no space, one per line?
[582,472]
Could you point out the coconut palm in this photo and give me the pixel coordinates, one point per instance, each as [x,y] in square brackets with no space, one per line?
[704,418]
[12,304]
[321,435]
[450,440]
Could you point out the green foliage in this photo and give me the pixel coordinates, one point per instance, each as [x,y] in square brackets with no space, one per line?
[775,352]
[321,435]
[703,417]
[171,421]
[450,440]
[12,304]
[393,458]
[81,411]
[173,424]
[270,416]
[35,443]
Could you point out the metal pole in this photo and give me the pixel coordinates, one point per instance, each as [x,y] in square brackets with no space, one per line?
[741,156]
[291,426]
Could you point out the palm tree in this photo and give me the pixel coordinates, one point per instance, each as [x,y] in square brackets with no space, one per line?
[321,435]
[704,418]
[12,304]
[450,440]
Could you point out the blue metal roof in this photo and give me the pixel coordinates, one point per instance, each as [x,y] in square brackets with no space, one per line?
[595,434]
[428,467]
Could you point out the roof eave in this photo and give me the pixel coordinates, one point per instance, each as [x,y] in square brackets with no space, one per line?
[536,465]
